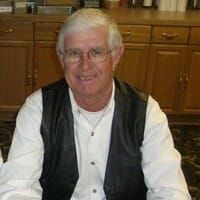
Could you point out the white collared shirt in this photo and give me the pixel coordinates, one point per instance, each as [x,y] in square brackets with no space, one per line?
[92,139]
[19,178]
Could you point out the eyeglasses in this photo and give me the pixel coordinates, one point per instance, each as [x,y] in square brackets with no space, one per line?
[96,55]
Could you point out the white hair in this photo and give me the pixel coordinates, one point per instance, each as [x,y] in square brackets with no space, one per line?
[87,18]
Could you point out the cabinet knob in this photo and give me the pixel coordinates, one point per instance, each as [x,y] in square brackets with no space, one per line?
[169,36]
[186,78]
[183,81]
[35,75]
[29,79]
[180,81]
[126,34]
[10,30]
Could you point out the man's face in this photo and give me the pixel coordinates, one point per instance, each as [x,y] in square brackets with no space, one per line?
[87,78]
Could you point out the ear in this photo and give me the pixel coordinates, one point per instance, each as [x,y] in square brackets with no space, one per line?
[117,56]
[60,57]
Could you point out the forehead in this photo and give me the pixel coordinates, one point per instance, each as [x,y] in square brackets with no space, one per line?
[93,36]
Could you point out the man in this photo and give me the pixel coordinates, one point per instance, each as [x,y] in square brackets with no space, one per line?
[89,136]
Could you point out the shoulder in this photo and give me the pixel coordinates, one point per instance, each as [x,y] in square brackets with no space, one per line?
[34,101]
[55,86]
[29,116]
[154,112]
[129,91]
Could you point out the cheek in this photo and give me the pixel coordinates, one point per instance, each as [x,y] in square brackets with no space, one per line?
[107,73]
[69,73]
[109,68]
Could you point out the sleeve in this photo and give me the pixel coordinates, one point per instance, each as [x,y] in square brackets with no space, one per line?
[1,161]
[161,162]
[19,177]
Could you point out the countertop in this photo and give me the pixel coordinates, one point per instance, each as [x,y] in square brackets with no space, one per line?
[122,16]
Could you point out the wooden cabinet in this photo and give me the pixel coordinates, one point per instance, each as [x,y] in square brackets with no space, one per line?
[166,67]
[132,67]
[191,98]
[46,65]
[16,48]
[173,74]
[162,57]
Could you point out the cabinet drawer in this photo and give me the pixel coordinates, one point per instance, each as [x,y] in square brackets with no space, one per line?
[135,33]
[16,31]
[170,34]
[47,31]
[195,35]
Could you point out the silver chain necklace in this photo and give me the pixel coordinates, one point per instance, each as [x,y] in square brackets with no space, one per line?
[99,120]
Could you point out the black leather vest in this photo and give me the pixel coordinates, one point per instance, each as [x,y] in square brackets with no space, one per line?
[124,178]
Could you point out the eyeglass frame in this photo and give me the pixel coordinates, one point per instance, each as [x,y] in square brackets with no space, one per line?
[89,53]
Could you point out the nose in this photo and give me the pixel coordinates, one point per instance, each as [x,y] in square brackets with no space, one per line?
[85,61]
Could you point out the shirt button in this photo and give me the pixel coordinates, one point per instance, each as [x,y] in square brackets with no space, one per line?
[92,163]
[94,190]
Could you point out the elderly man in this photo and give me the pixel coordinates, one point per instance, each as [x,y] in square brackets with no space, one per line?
[90,136]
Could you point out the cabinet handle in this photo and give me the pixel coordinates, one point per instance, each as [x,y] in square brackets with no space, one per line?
[35,76]
[10,30]
[169,36]
[29,79]
[126,34]
[180,81]
[56,32]
[186,78]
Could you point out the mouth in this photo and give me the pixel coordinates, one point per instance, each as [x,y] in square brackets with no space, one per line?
[87,78]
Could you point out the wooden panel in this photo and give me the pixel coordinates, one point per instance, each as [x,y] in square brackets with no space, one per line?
[16,31]
[16,65]
[195,35]
[170,34]
[191,102]
[132,67]
[164,83]
[135,33]
[46,67]
[47,31]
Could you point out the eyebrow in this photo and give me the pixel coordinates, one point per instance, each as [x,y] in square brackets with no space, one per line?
[96,47]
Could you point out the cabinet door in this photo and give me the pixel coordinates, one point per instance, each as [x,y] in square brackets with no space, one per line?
[165,75]
[132,67]
[15,74]
[191,103]
[47,68]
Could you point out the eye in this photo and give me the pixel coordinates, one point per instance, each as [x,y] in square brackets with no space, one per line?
[73,52]
[96,52]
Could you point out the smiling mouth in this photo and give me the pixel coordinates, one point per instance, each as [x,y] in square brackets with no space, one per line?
[87,78]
